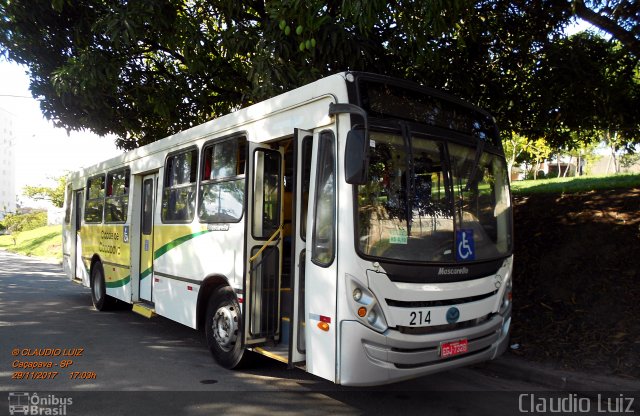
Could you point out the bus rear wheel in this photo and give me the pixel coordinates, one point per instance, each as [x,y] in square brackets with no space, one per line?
[222,328]
[101,301]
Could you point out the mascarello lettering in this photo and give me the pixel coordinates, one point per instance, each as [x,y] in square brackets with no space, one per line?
[452,271]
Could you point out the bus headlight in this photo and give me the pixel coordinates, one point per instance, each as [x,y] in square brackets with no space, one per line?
[506,271]
[365,306]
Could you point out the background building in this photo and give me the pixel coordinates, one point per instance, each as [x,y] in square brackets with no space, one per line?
[7,163]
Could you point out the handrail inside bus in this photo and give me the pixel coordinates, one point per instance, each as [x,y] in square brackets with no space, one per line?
[276,232]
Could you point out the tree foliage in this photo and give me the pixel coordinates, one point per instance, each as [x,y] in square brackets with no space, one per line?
[539,150]
[619,18]
[143,70]
[591,85]
[53,194]
[515,146]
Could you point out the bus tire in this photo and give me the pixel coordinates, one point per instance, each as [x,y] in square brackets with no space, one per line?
[223,328]
[101,301]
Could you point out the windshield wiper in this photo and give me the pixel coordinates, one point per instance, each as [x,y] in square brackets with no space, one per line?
[408,146]
[476,163]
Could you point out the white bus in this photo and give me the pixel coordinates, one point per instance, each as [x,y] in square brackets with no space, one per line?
[359,227]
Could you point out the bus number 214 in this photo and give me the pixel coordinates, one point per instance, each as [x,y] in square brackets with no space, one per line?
[420,318]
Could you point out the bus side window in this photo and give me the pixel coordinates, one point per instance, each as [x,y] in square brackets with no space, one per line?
[324,232]
[117,200]
[179,191]
[67,205]
[307,144]
[222,181]
[95,199]
[266,193]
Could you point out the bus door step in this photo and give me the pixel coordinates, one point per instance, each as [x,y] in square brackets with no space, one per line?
[143,309]
[280,353]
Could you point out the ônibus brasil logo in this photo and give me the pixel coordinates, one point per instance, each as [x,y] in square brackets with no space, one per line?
[34,404]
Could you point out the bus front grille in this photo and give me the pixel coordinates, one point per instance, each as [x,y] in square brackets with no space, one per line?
[435,303]
[406,352]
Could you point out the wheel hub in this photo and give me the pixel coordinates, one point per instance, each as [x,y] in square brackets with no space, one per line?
[225,327]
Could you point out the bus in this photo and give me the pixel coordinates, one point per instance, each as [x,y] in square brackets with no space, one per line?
[358,227]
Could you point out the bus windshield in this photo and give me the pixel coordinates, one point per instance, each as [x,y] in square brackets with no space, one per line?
[425,202]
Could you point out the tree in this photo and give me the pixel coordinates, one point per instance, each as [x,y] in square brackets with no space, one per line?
[55,195]
[539,150]
[628,160]
[514,146]
[584,150]
[591,86]
[143,70]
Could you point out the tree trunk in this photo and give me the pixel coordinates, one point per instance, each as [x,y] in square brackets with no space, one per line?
[510,163]
[616,165]
[564,175]
[607,138]
[579,165]
[512,157]
[607,24]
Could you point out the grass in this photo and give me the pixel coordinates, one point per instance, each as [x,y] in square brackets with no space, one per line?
[41,242]
[575,184]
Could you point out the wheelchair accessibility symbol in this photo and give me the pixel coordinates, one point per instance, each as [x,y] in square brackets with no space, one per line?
[465,247]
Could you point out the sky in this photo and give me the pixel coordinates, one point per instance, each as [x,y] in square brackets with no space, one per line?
[43,151]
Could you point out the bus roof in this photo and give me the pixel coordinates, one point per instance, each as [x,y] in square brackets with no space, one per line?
[331,86]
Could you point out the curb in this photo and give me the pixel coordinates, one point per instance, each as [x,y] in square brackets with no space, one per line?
[546,375]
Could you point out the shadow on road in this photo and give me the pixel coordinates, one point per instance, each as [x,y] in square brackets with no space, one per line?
[147,366]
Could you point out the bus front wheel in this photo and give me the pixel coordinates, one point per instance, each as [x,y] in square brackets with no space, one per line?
[222,329]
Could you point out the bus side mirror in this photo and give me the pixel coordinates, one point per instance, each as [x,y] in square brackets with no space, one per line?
[356,158]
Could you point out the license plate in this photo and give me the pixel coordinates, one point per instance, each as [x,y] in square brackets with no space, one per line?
[453,348]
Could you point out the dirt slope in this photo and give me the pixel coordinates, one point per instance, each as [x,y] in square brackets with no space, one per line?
[577,280]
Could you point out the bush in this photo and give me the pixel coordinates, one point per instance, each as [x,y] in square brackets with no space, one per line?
[24,222]
[540,175]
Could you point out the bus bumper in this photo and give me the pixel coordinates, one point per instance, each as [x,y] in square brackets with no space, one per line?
[370,358]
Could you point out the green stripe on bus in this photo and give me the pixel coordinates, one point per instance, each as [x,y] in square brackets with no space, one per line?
[145,273]
[118,283]
[162,250]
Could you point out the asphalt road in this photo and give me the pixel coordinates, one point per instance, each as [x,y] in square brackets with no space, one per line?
[134,365]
